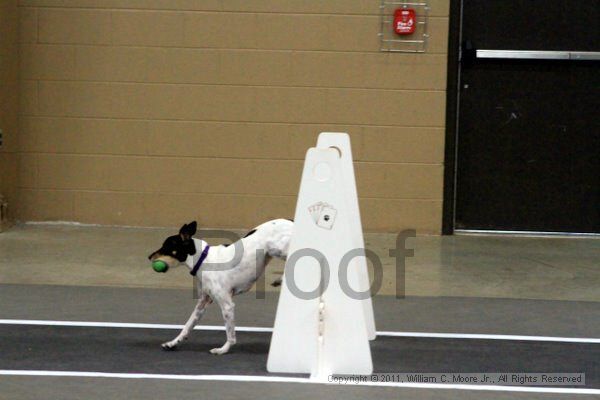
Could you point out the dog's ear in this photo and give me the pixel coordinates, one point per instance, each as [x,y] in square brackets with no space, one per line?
[188,230]
[192,227]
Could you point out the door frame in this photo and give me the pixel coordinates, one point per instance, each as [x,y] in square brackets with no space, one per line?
[453,85]
[452,109]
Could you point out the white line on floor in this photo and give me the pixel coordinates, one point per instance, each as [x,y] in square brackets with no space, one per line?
[265,329]
[281,379]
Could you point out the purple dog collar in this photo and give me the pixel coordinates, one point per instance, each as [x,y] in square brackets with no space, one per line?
[194,270]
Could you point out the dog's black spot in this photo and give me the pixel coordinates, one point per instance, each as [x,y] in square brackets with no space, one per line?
[276,283]
[250,233]
[178,246]
[291,220]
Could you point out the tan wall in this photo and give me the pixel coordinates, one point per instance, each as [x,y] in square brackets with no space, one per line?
[9,99]
[155,112]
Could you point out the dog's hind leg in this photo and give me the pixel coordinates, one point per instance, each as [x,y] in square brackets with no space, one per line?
[227,308]
[189,325]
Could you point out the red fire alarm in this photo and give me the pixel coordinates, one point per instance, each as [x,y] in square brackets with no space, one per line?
[405,21]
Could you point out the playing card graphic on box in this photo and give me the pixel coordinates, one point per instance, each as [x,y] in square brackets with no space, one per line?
[323,214]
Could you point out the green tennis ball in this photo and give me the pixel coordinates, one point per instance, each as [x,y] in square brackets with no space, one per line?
[160,266]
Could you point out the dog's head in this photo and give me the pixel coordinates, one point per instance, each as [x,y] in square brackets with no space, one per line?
[177,248]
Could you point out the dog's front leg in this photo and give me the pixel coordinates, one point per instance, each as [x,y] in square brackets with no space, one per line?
[189,325]
[227,308]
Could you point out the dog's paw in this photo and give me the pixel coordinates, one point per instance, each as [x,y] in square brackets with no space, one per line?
[169,346]
[219,351]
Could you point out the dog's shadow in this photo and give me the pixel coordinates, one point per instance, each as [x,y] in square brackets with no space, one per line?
[199,347]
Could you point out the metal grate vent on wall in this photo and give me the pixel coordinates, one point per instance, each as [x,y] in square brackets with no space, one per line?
[412,43]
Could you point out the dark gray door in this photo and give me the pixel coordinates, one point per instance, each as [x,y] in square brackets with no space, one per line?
[528,138]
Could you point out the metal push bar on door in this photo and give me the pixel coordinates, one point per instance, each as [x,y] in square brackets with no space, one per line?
[539,55]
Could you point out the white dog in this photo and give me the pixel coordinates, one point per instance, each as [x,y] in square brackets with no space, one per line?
[228,269]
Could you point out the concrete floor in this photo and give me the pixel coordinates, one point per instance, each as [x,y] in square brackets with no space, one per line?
[172,306]
[24,388]
[409,314]
[463,284]
[454,266]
